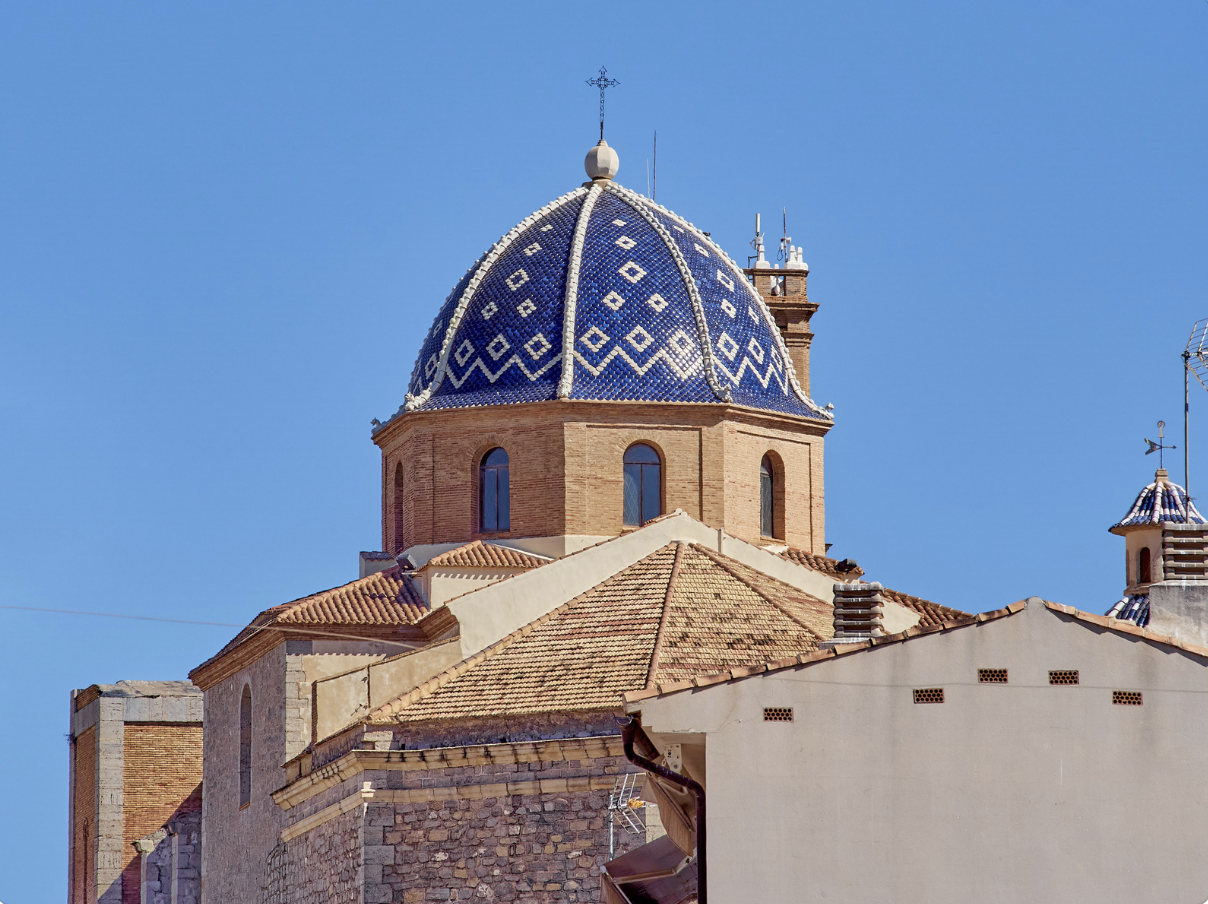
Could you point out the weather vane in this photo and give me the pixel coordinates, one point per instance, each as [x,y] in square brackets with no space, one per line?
[602,81]
[1159,445]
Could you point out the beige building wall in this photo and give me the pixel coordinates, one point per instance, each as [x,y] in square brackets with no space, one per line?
[1024,791]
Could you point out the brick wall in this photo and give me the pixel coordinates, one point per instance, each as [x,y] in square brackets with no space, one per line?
[83,819]
[566,469]
[162,780]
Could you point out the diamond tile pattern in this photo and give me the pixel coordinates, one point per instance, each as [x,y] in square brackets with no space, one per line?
[582,656]
[628,279]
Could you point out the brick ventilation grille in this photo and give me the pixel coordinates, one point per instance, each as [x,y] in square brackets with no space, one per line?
[992,676]
[928,695]
[778,714]
[1126,698]
[1063,676]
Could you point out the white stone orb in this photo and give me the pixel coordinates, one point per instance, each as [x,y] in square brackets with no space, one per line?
[602,162]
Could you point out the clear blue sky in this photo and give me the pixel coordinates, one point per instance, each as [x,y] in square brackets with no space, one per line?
[225,227]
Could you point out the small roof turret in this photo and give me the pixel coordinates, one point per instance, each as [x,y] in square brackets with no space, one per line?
[1160,501]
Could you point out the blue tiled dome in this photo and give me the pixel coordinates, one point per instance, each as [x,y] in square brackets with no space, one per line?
[605,295]
[1158,502]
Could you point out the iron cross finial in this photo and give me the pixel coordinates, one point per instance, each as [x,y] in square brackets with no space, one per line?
[602,81]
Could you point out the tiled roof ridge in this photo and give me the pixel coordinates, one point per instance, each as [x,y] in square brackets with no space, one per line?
[1159,501]
[455,671]
[917,602]
[507,557]
[823,564]
[727,564]
[666,614]
[834,652]
[1126,627]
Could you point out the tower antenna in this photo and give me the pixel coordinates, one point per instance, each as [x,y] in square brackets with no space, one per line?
[655,188]
[602,81]
[1195,360]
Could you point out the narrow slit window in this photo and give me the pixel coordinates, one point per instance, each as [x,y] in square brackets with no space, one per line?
[767,498]
[245,747]
[1127,698]
[494,492]
[928,695]
[1144,567]
[992,676]
[1063,676]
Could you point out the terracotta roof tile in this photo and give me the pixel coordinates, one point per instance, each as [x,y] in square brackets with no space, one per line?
[715,614]
[845,569]
[929,613]
[486,555]
[385,598]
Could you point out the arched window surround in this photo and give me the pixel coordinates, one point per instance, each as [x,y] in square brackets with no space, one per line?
[642,470]
[494,491]
[771,497]
[245,747]
[1144,566]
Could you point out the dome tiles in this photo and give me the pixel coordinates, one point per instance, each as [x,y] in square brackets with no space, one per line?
[605,295]
[1160,501]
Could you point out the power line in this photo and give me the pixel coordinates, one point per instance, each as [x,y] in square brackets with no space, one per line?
[185,621]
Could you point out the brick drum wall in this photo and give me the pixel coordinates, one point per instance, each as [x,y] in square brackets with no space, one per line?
[83,866]
[566,469]
[162,780]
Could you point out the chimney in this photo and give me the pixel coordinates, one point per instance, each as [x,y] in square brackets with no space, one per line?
[859,609]
[1178,604]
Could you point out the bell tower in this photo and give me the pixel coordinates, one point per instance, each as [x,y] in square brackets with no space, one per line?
[783,290]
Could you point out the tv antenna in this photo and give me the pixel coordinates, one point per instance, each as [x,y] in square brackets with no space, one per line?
[1159,446]
[786,240]
[757,244]
[623,806]
[1195,360]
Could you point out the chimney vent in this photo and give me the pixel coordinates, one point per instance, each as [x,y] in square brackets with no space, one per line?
[859,610]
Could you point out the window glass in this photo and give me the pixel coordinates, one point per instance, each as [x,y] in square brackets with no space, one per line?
[494,492]
[643,485]
[767,499]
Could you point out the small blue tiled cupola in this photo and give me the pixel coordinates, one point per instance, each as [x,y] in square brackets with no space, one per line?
[1160,503]
[605,295]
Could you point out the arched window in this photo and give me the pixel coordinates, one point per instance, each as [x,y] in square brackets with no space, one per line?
[245,747]
[398,542]
[767,498]
[643,485]
[494,510]
[1144,571]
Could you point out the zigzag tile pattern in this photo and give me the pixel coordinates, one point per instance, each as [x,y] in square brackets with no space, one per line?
[658,313]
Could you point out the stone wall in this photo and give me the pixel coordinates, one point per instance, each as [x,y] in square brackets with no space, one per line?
[237,840]
[513,821]
[169,868]
[324,866]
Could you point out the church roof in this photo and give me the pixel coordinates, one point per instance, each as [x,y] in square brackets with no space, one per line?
[846,569]
[1132,608]
[684,610]
[385,599]
[1161,501]
[605,295]
[486,555]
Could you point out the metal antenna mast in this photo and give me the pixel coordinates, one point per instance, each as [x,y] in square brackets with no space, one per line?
[602,81]
[1195,360]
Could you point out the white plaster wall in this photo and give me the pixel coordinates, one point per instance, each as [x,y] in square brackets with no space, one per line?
[1002,794]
